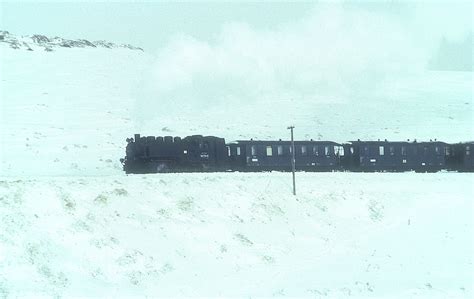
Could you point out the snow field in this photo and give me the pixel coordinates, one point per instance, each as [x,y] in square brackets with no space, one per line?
[238,234]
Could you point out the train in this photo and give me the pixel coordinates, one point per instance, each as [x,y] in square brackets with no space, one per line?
[198,153]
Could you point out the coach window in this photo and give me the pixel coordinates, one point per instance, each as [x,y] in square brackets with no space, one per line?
[228,151]
[326,150]
[291,149]
[404,151]
[340,151]
[269,150]
[280,150]
[425,150]
[238,151]
[446,151]
[253,150]
[352,150]
[392,150]
[303,150]
[315,150]
[381,150]
[468,150]
[437,150]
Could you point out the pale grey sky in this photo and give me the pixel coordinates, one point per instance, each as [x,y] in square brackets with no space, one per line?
[151,24]
[146,24]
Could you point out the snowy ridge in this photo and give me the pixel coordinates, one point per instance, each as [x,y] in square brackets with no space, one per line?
[37,41]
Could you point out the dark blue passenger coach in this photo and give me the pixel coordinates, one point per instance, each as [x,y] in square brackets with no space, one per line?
[251,155]
[460,157]
[395,156]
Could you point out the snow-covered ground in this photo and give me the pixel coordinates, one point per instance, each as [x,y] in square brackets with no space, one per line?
[73,224]
[233,234]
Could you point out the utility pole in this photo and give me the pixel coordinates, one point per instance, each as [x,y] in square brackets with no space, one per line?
[293,158]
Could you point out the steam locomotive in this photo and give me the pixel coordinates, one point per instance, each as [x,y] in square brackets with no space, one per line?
[199,153]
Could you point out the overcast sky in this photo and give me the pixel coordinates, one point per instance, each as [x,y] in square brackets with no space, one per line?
[146,24]
[151,24]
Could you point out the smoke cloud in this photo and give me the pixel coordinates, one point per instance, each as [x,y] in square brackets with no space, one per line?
[338,53]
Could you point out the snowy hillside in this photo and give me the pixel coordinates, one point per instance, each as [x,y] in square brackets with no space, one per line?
[73,224]
[68,111]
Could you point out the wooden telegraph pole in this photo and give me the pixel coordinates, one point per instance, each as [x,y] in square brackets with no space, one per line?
[293,158]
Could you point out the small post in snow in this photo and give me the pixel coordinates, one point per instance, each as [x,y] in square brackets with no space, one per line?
[293,158]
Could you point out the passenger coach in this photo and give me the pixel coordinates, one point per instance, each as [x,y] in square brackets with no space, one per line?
[460,157]
[251,155]
[395,156]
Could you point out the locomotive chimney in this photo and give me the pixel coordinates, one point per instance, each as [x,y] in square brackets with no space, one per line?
[137,137]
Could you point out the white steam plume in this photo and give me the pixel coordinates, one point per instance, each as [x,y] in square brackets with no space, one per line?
[339,52]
